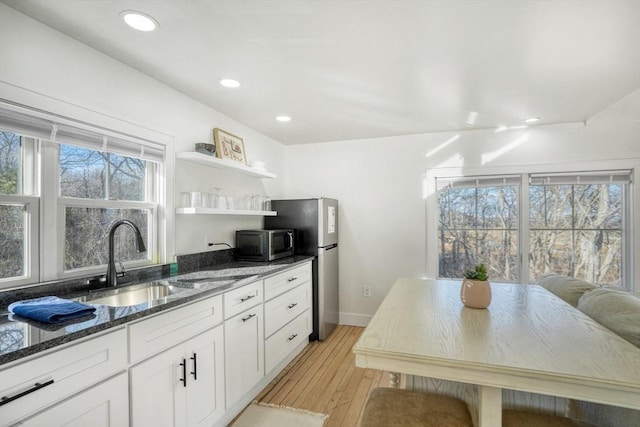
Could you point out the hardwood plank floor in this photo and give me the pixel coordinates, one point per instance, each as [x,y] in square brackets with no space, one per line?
[323,378]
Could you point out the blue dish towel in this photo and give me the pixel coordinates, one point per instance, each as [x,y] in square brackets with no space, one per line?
[50,309]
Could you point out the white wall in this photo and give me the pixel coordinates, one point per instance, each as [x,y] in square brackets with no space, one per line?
[45,69]
[379,183]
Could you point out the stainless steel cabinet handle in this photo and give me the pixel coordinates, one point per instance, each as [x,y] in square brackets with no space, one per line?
[195,366]
[292,337]
[245,318]
[248,297]
[37,386]
[184,372]
[290,306]
[291,279]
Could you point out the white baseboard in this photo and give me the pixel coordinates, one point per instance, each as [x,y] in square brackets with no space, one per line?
[354,319]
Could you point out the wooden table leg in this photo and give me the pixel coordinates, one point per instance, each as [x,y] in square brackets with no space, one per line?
[489,406]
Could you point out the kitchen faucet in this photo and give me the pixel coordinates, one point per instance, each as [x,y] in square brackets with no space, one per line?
[112,274]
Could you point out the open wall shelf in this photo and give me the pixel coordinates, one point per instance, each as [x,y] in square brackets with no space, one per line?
[214,162]
[212,211]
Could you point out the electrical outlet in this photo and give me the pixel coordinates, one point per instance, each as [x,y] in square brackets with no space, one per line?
[366,291]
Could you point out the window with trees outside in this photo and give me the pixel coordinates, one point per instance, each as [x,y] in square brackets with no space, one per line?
[571,224]
[61,188]
[18,208]
[97,189]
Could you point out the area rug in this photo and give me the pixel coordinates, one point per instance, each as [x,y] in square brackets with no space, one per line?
[265,415]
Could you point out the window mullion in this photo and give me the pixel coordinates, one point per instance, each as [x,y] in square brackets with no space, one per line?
[524,248]
[51,219]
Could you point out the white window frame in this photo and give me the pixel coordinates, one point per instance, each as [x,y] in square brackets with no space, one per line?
[36,109]
[55,206]
[29,199]
[631,269]
[31,206]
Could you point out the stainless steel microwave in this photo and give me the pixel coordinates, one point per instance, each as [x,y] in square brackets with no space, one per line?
[264,245]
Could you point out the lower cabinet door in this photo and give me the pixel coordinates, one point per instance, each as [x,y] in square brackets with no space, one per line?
[157,398]
[205,384]
[182,386]
[244,353]
[104,405]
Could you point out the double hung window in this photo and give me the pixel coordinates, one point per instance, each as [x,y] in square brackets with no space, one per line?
[19,210]
[62,184]
[525,226]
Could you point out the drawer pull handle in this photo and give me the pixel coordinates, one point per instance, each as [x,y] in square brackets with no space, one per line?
[291,338]
[37,386]
[184,373]
[248,297]
[195,366]
[244,319]
[290,306]
[291,279]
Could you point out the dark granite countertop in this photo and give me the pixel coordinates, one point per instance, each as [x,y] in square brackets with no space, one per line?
[21,337]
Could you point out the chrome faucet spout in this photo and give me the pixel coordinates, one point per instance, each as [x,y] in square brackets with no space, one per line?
[112,274]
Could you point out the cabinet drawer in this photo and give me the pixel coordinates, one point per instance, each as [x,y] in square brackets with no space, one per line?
[280,344]
[72,369]
[282,282]
[106,404]
[240,299]
[283,309]
[169,328]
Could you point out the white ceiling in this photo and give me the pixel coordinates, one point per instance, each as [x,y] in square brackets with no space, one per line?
[355,69]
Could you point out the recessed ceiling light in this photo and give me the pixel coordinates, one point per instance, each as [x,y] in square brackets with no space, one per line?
[139,21]
[531,119]
[283,118]
[229,83]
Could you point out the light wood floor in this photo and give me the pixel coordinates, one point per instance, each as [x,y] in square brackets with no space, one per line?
[323,378]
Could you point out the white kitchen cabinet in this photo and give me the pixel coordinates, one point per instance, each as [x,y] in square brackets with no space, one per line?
[164,330]
[286,280]
[244,352]
[182,386]
[279,345]
[104,405]
[39,382]
[286,307]
[238,300]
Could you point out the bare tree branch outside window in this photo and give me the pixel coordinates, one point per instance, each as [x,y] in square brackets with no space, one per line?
[574,229]
[479,225]
[89,174]
[12,217]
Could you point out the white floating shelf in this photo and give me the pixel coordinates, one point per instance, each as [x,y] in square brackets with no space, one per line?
[212,211]
[214,162]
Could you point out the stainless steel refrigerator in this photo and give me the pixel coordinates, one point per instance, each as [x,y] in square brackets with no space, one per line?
[315,222]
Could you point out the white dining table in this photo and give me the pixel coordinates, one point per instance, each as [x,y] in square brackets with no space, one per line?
[527,340]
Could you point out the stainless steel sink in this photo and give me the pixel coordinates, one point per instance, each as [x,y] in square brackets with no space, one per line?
[134,295]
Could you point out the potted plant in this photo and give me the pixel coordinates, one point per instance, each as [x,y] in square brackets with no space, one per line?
[476,291]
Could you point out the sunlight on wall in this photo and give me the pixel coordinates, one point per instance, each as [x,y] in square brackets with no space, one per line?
[489,157]
[441,146]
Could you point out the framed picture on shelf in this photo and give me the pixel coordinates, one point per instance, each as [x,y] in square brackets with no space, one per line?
[229,146]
